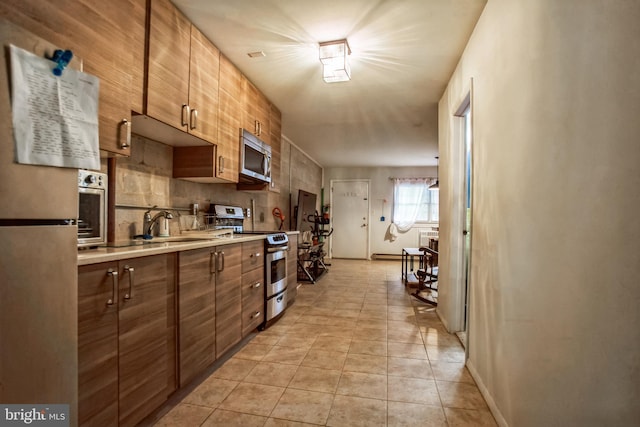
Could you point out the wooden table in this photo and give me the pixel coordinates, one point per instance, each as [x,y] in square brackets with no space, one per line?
[408,264]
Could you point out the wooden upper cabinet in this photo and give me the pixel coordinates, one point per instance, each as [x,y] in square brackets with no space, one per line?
[203,87]
[255,111]
[275,125]
[229,120]
[102,34]
[169,57]
[182,83]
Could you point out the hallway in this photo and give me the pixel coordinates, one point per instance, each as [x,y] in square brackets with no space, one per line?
[354,350]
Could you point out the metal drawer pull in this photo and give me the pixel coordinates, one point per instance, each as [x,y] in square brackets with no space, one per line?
[257,255]
[129,270]
[255,315]
[186,112]
[114,283]
[256,285]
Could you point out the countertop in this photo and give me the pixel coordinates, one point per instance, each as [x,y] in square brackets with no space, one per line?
[107,254]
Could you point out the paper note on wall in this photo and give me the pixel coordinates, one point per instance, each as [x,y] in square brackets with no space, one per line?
[55,119]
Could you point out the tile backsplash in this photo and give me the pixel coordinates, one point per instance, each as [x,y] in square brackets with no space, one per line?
[144,180]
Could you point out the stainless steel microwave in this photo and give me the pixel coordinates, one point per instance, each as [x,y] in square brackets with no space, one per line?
[255,159]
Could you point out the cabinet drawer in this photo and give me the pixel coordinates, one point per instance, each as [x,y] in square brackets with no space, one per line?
[252,315]
[252,286]
[252,255]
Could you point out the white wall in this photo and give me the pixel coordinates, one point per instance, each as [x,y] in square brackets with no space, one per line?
[555,299]
[381,188]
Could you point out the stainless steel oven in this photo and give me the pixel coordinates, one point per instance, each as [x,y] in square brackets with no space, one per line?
[276,248]
[92,208]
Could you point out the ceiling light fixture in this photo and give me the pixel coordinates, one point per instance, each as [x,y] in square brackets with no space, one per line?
[436,186]
[334,56]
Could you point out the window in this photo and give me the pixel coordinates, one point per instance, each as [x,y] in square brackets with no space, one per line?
[414,202]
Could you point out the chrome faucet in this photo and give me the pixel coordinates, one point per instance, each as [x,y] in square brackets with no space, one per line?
[149,222]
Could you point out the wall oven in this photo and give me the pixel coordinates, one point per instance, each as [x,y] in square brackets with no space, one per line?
[92,208]
[255,159]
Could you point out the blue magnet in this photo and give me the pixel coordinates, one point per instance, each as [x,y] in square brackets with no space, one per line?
[62,59]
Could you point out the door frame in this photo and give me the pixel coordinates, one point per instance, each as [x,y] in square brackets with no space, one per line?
[461,298]
[368,237]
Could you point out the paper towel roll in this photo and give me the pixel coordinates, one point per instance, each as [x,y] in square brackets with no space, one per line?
[163,230]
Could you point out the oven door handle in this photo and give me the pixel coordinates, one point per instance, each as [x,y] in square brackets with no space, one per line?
[278,249]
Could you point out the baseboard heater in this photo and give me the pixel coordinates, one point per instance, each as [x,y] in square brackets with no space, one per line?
[387,257]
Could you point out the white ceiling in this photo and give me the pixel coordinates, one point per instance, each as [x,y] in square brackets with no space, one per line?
[403,54]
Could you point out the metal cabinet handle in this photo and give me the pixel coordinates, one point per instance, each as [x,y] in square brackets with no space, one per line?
[185,114]
[213,262]
[193,119]
[256,127]
[221,164]
[129,270]
[268,165]
[257,255]
[125,142]
[222,261]
[255,285]
[114,284]
[255,315]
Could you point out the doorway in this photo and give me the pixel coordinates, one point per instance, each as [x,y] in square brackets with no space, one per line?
[350,219]
[463,115]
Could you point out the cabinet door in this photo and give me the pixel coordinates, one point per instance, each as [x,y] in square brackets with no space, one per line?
[98,345]
[203,87]
[229,123]
[275,121]
[197,310]
[292,268]
[168,73]
[144,319]
[102,34]
[250,99]
[228,297]
[262,112]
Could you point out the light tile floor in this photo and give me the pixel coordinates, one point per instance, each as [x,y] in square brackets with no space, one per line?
[354,350]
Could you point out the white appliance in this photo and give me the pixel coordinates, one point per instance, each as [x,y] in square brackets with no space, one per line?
[38,264]
[92,209]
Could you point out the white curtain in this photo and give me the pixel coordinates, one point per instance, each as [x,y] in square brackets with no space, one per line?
[407,199]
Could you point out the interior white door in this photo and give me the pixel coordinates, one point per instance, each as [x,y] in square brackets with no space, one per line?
[350,219]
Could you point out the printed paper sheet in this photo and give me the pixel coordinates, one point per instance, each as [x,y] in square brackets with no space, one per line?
[55,119]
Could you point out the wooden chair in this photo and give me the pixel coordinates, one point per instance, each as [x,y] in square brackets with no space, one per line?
[427,290]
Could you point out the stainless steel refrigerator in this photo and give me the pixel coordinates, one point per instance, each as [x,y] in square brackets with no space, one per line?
[38,264]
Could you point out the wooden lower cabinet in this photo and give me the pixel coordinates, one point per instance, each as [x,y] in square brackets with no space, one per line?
[253,283]
[292,268]
[228,297]
[126,339]
[252,300]
[197,308]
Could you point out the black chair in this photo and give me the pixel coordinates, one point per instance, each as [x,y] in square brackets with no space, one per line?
[427,290]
